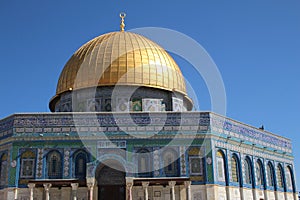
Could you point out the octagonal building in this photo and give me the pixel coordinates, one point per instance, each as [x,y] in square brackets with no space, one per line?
[121,127]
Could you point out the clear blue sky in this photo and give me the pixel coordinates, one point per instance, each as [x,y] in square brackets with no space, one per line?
[255,44]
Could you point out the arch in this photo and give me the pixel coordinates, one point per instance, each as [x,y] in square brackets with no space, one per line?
[3,169]
[196,163]
[170,163]
[112,163]
[222,170]
[248,171]
[260,175]
[54,165]
[280,176]
[80,160]
[111,182]
[144,164]
[290,179]
[236,169]
[270,174]
[27,164]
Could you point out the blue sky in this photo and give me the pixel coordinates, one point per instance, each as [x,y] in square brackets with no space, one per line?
[255,44]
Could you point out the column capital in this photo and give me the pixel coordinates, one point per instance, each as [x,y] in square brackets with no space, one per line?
[172,183]
[90,182]
[47,186]
[74,186]
[31,185]
[90,185]
[129,185]
[187,183]
[145,184]
[129,182]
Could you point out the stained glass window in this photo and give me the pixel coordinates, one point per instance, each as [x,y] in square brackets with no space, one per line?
[54,165]
[259,173]
[170,163]
[220,166]
[27,164]
[3,169]
[248,171]
[144,164]
[279,176]
[289,179]
[270,173]
[27,170]
[80,165]
[195,165]
[234,169]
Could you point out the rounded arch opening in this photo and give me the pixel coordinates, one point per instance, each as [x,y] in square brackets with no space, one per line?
[80,160]
[222,167]
[54,165]
[110,177]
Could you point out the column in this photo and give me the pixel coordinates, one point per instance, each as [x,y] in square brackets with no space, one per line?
[47,187]
[90,184]
[129,191]
[31,187]
[129,185]
[187,185]
[145,187]
[16,193]
[172,185]
[74,190]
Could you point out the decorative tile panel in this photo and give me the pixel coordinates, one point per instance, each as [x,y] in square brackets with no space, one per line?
[182,150]
[194,122]
[239,130]
[66,162]
[39,167]
[156,161]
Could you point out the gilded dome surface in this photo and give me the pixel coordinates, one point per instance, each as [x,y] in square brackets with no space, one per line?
[122,58]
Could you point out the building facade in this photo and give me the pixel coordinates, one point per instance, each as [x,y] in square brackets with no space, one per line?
[121,127]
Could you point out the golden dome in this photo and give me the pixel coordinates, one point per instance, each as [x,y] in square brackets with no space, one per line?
[122,58]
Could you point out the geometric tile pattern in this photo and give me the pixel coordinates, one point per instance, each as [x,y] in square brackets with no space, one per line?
[182,160]
[50,122]
[39,169]
[246,132]
[66,162]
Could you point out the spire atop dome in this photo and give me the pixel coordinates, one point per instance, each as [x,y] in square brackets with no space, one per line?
[122,25]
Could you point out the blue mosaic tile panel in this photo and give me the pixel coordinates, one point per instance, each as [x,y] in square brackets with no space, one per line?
[226,124]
